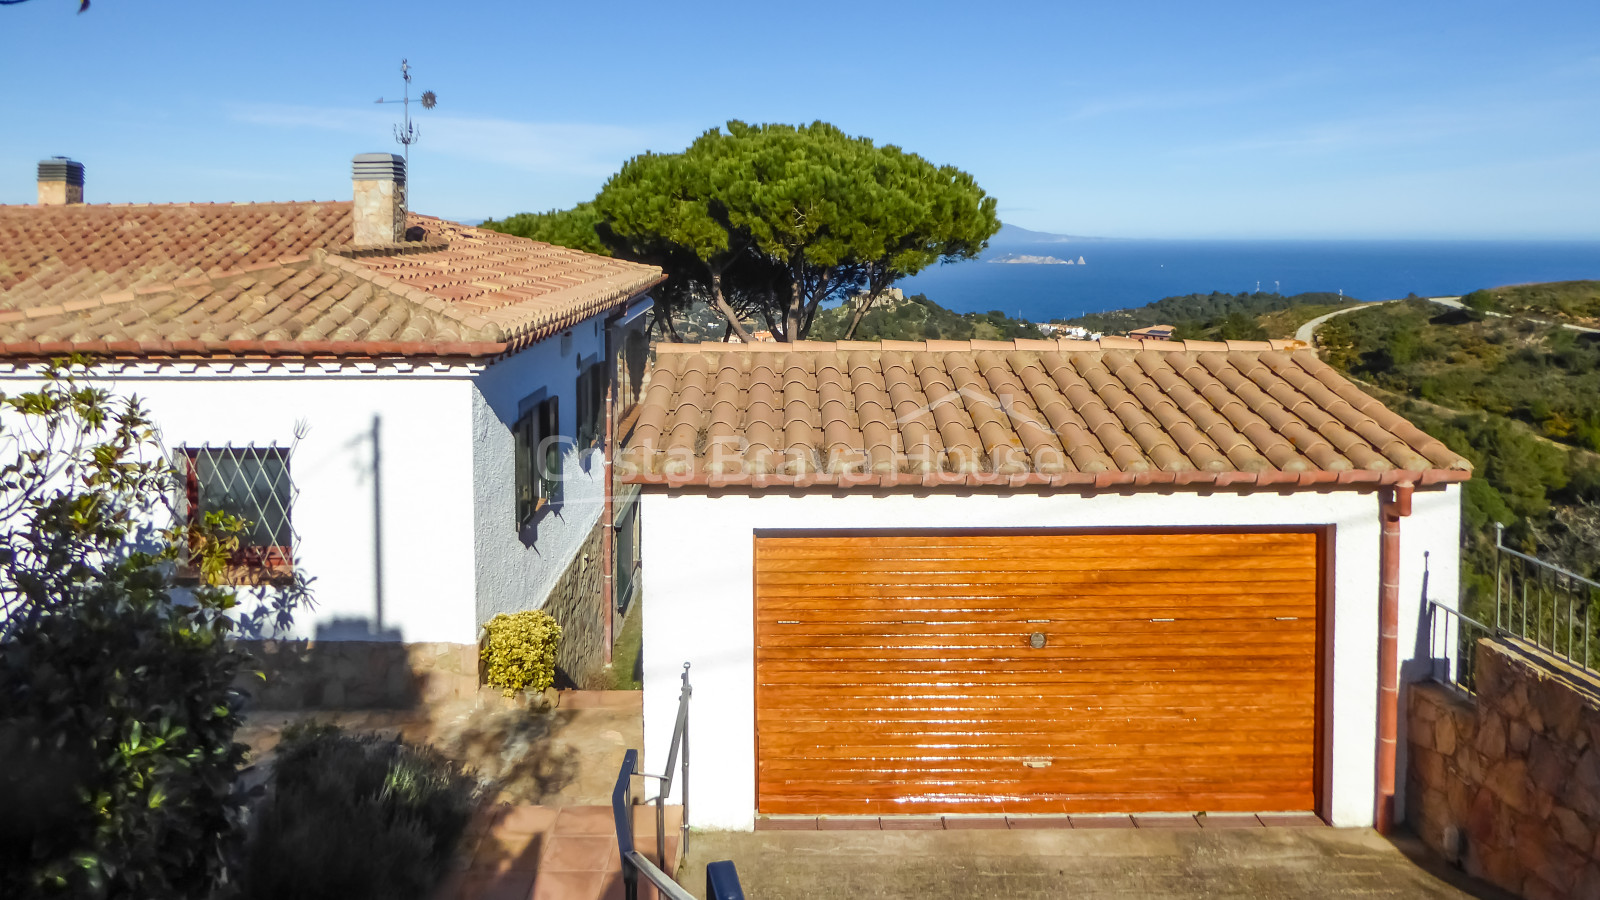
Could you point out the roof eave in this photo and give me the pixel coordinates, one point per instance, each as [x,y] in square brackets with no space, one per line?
[1074,481]
[44,350]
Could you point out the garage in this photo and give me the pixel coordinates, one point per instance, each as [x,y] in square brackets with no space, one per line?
[928,672]
[909,582]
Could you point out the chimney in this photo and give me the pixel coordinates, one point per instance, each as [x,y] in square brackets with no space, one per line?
[380,194]
[60,181]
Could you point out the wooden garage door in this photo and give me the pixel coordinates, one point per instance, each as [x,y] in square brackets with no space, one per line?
[896,674]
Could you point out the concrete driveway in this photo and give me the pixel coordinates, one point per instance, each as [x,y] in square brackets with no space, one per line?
[1129,864]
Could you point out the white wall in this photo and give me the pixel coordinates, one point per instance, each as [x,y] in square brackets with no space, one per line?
[426,468]
[698,585]
[513,575]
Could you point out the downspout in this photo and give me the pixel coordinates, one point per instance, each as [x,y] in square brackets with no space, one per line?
[607,511]
[1394,505]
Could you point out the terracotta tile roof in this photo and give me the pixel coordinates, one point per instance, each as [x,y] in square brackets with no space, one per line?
[279,279]
[1094,413]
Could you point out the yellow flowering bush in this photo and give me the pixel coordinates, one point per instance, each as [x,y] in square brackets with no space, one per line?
[520,653]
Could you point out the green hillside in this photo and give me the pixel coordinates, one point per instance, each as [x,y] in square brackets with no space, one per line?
[919,319]
[1569,301]
[1520,399]
[1217,316]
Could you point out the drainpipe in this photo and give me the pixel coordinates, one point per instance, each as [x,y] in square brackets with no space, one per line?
[1395,504]
[607,515]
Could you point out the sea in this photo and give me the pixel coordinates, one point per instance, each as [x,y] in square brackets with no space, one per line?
[1116,274]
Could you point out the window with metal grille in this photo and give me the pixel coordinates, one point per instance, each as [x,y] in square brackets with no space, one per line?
[538,459]
[251,483]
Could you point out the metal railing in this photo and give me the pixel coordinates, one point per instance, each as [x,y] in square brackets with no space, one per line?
[633,862]
[1545,605]
[1452,639]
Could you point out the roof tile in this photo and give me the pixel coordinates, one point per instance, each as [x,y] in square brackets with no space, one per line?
[1057,413]
[271,276]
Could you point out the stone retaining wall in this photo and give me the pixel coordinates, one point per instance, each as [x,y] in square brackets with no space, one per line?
[1508,785]
[575,605]
[360,674]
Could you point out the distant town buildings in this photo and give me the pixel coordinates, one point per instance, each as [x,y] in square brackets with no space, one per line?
[1070,332]
[889,299]
[1153,333]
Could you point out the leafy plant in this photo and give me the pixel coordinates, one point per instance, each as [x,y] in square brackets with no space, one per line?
[356,816]
[520,652]
[117,699]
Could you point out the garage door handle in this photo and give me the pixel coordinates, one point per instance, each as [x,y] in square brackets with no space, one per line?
[1037,763]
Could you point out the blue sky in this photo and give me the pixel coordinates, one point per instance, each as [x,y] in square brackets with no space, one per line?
[1350,120]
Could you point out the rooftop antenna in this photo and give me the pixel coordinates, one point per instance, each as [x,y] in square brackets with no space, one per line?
[407,134]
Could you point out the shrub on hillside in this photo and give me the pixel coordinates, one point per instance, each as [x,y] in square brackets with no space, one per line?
[520,653]
[356,816]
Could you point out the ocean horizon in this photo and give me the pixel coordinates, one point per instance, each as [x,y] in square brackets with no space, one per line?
[1118,273]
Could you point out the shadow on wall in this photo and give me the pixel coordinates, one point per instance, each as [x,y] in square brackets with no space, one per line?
[351,665]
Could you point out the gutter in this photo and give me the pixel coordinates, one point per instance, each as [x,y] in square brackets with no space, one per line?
[1394,505]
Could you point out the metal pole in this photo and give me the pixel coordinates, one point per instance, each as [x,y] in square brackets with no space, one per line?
[1498,559]
[683,826]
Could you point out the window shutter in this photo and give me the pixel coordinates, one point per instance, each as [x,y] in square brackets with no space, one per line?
[549,432]
[523,465]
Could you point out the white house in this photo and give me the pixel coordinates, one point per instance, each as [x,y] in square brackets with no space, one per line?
[388,396]
[1033,577]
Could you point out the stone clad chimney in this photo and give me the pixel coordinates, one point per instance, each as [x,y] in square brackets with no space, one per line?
[60,181]
[380,194]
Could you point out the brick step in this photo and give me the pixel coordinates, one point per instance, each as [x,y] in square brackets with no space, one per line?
[551,853]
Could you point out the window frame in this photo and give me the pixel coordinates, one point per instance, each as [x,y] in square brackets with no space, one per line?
[249,564]
[591,404]
[536,488]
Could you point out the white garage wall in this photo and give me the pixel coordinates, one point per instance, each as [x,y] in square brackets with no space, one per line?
[426,465]
[698,564]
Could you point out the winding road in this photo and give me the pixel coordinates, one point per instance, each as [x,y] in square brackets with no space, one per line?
[1304,332]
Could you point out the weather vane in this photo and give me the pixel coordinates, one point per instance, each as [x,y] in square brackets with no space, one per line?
[407,134]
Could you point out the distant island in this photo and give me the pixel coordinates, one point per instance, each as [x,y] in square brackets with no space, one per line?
[1013,234]
[1031,260]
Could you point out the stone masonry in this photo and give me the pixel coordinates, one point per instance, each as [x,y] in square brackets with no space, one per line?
[575,605]
[1508,785]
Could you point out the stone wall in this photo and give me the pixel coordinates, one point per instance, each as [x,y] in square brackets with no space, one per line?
[575,605]
[1508,785]
[360,674]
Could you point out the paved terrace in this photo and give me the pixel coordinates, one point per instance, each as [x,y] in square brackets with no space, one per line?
[1185,859]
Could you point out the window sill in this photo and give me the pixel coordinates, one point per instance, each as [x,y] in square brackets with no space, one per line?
[276,569]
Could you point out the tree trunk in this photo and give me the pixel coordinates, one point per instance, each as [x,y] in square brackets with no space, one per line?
[792,326]
[877,282]
[734,324]
[819,291]
[668,330]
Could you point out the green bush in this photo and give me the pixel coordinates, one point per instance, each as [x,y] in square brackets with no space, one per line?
[356,816]
[520,653]
[118,768]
